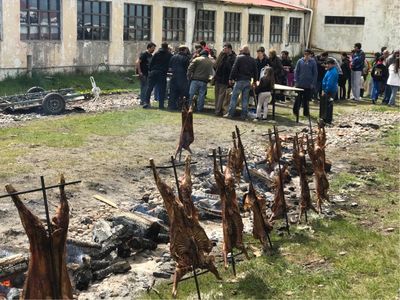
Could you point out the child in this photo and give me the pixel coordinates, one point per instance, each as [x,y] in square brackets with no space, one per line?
[379,76]
[263,90]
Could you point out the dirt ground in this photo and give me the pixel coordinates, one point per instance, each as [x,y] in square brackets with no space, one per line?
[116,169]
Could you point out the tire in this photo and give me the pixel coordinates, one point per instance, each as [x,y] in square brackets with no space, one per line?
[53,104]
[35,89]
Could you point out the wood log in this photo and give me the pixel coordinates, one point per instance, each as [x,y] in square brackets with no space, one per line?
[12,265]
[118,267]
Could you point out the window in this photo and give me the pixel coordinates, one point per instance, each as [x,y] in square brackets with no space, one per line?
[137,22]
[39,19]
[256,28]
[93,20]
[275,33]
[205,26]
[174,24]
[232,27]
[294,30]
[344,20]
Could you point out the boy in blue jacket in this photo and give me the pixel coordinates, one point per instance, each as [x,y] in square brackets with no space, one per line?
[329,90]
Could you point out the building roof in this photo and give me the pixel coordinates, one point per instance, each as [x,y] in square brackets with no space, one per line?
[265,3]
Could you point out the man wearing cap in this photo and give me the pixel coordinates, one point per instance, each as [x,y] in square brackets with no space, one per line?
[329,90]
[305,76]
[243,71]
[179,85]
[199,72]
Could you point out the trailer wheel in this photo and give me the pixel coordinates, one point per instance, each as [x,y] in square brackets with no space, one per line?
[53,104]
[35,89]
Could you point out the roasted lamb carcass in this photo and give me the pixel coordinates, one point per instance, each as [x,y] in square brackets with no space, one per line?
[317,157]
[232,225]
[261,225]
[279,207]
[237,158]
[300,163]
[189,244]
[187,135]
[274,150]
[39,283]
[185,186]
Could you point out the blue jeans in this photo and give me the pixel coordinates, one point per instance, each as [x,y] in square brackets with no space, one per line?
[200,88]
[394,89]
[387,94]
[159,79]
[242,86]
[376,87]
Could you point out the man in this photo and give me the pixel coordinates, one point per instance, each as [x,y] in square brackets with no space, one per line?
[329,90]
[199,72]
[357,66]
[179,85]
[223,68]
[305,75]
[142,67]
[321,60]
[261,60]
[243,71]
[158,68]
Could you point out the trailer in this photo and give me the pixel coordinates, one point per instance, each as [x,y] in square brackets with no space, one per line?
[52,102]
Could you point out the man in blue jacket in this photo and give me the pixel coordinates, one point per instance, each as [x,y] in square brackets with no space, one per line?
[357,66]
[305,75]
[329,90]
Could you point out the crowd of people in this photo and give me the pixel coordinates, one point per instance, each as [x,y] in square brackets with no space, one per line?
[237,76]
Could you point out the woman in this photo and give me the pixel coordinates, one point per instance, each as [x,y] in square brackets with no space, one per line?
[276,65]
[394,80]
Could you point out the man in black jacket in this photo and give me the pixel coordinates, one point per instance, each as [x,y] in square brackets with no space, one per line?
[158,69]
[223,67]
[243,71]
[179,85]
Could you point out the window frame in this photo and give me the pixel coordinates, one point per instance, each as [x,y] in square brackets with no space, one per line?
[46,28]
[294,30]
[232,26]
[256,28]
[205,25]
[174,24]
[344,20]
[276,29]
[103,14]
[139,33]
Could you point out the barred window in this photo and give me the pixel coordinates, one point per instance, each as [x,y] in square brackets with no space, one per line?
[205,26]
[344,20]
[137,22]
[294,30]
[174,24]
[256,28]
[232,27]
[93,20]
[275,33]
[39,19]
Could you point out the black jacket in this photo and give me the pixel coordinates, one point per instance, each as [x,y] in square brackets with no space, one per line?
[264,86]
[261,63]
[244,68]
[345,66]
[160,61]
[276,65]
[224,67]
[179,64]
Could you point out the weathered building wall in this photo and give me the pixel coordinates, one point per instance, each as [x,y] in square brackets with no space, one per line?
[68,53]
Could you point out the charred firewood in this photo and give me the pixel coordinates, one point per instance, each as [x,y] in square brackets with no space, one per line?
[189,244]
[299,160]
[261,224]
[232,224]
[187,135]
[39,282]
[316,155]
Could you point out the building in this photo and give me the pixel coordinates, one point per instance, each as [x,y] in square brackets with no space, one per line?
[337,25]
[67,35]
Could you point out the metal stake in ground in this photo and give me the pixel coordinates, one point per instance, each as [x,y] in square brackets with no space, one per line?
[220,158]
[55,283]
[303,162]
[281,180]
[248,174]
[180,198]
